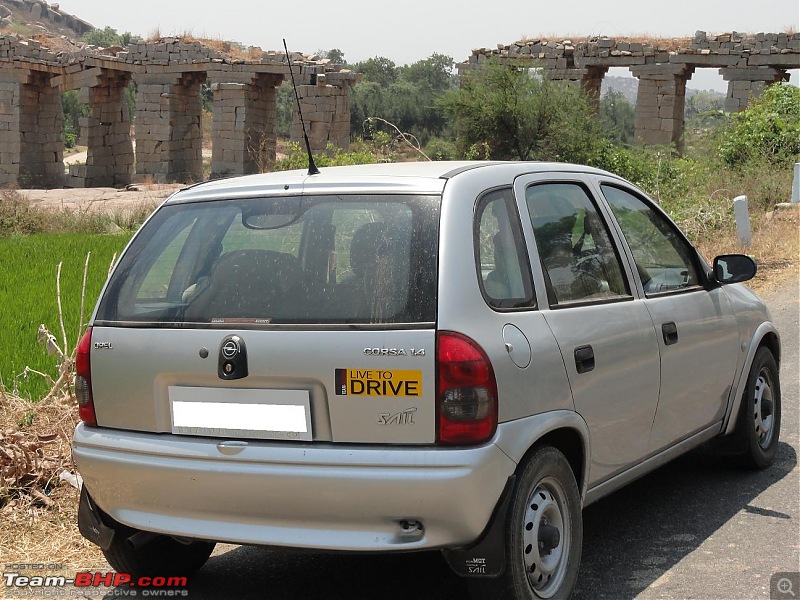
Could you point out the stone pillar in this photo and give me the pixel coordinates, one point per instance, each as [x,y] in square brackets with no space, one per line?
[748,82]
[589,78]
[244,138]
[660,102]
[169,134]
[591,82]
[107,134]
[31,129]
[326,111]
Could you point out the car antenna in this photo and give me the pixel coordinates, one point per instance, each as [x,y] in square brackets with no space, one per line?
[312,168]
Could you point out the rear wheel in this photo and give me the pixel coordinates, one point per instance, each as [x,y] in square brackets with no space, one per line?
[161,556]
[759,423]
[544,533]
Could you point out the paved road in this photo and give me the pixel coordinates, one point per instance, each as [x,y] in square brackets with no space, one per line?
[696,528]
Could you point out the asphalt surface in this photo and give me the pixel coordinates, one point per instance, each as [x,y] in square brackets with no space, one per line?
[696,528]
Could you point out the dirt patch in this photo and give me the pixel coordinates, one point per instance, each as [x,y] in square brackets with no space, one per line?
[39,507]
[775,248]
[101,199]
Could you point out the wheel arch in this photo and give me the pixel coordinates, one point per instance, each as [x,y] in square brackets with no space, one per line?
[564,430]
[570,443]
[771,341]
[766,335]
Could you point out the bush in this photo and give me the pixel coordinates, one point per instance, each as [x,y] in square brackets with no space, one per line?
[768,129]
[70,138]
[297,157]
[439,149]
[18,216]
[635,165]
[522,116]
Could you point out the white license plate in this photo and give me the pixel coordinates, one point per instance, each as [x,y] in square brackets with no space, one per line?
[248,413]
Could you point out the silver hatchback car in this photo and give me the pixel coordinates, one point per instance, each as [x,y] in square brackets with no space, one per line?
[400,357]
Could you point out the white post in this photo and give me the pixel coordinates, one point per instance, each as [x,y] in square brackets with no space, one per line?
[742,216]
[796,183]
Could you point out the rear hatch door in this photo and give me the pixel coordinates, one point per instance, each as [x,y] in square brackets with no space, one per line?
[292,318]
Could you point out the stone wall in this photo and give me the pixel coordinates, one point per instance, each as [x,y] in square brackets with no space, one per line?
[169,136]
[31,125]
[663,66]
[722,50]
[244,125]
[168,73]
[326,113]
[106,132]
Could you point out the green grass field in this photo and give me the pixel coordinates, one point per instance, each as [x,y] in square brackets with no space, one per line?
[28,267]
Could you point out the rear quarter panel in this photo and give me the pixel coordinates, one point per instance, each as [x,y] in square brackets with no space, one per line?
[540,387]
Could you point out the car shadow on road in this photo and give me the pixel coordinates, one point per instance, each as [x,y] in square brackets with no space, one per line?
[634,536]
[631,538]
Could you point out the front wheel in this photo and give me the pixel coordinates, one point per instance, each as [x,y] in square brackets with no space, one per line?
[543,533]
[759,424]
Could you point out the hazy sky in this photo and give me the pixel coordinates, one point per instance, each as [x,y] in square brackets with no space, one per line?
[414,29]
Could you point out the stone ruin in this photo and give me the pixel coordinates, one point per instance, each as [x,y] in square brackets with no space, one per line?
[748,63]
[168,74]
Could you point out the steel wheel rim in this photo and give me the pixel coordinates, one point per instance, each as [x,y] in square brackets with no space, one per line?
[545,568]
[764,409]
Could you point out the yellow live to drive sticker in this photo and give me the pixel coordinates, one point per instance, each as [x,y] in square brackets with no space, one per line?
[378,382]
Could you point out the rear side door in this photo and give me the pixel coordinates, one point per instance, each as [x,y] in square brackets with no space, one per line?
[603,330]
[696,330]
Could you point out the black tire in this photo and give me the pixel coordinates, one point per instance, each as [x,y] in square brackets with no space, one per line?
[546,494]
[163,556]
[758,425]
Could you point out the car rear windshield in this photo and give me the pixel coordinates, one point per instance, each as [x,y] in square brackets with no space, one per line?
[289,260]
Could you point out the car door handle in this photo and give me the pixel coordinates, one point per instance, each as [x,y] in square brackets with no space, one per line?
[584,359]
[670,332]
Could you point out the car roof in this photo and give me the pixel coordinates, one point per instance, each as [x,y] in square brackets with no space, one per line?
[427,177]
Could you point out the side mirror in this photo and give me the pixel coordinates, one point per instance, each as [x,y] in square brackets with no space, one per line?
[734,268]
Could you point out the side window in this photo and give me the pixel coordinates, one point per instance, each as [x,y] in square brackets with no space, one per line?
[503,268]
[578,258]
[664,260]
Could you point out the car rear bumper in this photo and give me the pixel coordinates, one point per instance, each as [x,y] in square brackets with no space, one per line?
[294,495]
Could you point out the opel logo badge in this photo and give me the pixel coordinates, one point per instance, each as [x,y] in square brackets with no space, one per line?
[230,349]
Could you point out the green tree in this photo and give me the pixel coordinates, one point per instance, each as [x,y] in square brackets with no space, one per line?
[335,55]
[703,110]
[367,99]
[379,69]
[521,116]
[617,117]
[434,73]
[701,103]
[73,111]
[284,103]
[768,129]
[106,37]
[406,96]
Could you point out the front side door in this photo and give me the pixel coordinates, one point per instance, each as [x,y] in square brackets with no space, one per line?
[697,333]
[603,330]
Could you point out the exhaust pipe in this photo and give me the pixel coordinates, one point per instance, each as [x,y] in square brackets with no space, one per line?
[139,540]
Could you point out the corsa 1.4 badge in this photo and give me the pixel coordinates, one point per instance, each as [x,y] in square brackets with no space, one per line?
[394,352]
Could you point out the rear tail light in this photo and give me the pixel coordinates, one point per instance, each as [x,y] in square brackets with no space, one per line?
[83,380]
[466,402]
